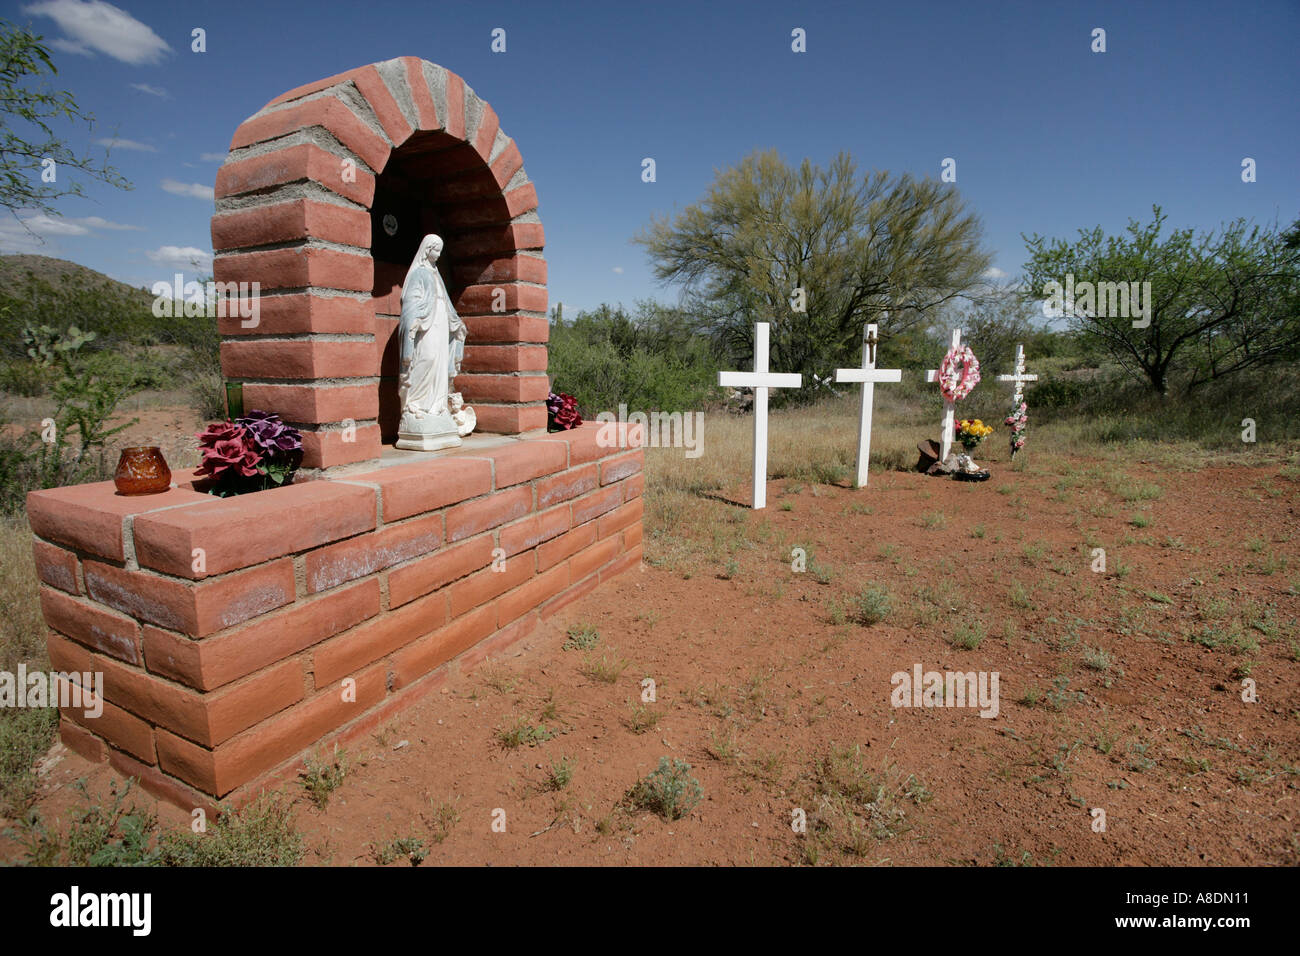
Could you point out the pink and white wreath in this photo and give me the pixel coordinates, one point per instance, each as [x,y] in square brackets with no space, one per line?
[959,373]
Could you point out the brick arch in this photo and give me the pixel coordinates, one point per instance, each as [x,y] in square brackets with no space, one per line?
[300,203]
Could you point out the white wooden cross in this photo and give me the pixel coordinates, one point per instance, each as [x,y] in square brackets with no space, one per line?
[948,407]
[868,375]
[1019,378]
[760,380]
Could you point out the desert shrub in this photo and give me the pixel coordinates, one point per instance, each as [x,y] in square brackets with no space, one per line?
[870,606]
[649,361]
[669,790]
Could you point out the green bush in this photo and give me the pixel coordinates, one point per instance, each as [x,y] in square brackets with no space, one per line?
[669,790]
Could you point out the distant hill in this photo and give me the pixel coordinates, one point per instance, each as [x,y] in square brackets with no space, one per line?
[42,290]
[17,270]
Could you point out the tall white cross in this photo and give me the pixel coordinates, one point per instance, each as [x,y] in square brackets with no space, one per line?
[1019,378]
[760,380]
[868,375]
[948,407]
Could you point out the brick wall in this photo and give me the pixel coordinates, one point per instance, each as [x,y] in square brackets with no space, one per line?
[226,630]
[296,212]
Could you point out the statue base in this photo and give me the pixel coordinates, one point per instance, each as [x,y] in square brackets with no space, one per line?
[418,433]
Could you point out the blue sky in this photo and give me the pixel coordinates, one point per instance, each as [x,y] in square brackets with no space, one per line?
[1047,136]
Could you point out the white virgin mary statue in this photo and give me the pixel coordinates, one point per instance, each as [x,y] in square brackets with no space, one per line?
[433,342]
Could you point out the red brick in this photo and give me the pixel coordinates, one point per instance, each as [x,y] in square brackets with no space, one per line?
[510,419]
[501,297]
[216,661]
[82,741]
[95,627]
[305,161]
[504,168]
[428,574]
[315,403]
[269,743]
[595,505]
[89,517]
[119,728]
[525,387]
[195,609]
[634,487]
[620,518]
[371,86]
[307,89]
[486,134]
[632,536]
[576,591]
[524,268]
[529,595]
[349,652]
[616,469]
[474,516]
[157,783]
[498,643]
[496,240]
[553,552]
[55,566]
[423,655]
[534,529]
[291,313]
[525,460]
[328,448]
[623,563]
[566,485]
[505,358]
[426,111]
[593,440]
[235,533]
[427,486]
[327,112]
[591,559]
[355,558]
[455,105]
[294,219]
[210,718]
[507,328]
[478,589]
[296,268]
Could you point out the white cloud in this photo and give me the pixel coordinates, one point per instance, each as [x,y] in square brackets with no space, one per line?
[993,272]
[213,157]
[29,233]
[618,269]
[151,90]
[115,142]
[93,25]
[95,222]
[193,190]
[182,257]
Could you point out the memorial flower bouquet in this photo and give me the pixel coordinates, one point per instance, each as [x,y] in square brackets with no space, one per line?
[255,452]
[561,412]
[1019,421]
[972,431]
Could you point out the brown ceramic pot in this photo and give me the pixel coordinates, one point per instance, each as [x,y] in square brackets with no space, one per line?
[142,470]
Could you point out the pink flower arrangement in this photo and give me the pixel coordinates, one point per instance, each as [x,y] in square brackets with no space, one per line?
[1019,421]
[562,412]
[254,452]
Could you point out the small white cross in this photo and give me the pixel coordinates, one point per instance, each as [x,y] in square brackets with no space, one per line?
[1020,377]
[868,375]
[948,407]
[760,380]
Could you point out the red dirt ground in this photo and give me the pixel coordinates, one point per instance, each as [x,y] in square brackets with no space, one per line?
[757,682]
